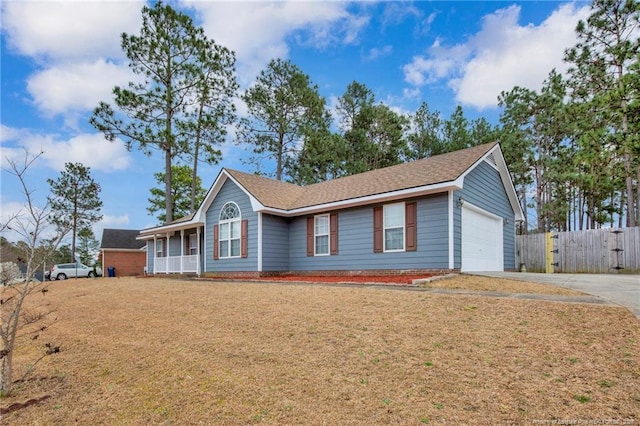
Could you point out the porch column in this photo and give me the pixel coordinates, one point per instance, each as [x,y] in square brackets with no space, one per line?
[166,256]
[155,252]
[198,250]
[181,251]
[104,264]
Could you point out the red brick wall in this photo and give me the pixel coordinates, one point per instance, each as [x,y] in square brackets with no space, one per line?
[127,263]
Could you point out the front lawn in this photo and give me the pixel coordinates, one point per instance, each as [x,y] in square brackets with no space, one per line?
[160,351]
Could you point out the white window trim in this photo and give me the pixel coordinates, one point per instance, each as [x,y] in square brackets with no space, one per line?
[328,235]
[160,253]
[229,222]
[384,228]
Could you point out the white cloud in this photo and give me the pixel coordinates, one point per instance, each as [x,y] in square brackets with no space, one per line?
[422,71]
[70,40]
[109,221]
[92,150]
[69,29]
[411,93]
[74,88]
[503,54]
[9,133]
[376,53]
[258,31]
[426,23]
[10,210]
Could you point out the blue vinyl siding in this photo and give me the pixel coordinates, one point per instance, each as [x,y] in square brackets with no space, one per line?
[483,188]
[275,243]
[433,230]
[230,192]
[355,241]
[174,246]
[284,240]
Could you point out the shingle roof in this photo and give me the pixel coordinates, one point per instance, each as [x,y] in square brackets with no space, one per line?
[270,192]
[121,239]
[428,171]
[181,219]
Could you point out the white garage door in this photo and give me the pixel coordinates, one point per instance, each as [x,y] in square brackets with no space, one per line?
[481,241]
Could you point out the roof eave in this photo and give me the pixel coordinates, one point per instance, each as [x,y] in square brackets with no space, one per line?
[149,233]
[508,183]
[133,250]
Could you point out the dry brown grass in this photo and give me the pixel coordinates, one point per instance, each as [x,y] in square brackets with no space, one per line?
[159,351]
[475,283]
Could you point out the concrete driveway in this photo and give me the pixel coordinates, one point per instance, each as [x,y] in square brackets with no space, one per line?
[617,288]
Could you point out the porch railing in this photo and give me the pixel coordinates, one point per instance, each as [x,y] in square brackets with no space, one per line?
[175,264]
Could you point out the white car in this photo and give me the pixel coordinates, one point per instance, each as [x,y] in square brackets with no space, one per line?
[72,270]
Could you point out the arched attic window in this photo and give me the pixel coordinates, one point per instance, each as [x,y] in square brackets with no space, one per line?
[230,224]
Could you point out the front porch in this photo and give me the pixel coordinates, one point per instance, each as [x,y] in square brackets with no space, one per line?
[176,250]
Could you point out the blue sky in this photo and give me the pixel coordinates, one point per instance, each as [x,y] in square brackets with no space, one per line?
[59,59]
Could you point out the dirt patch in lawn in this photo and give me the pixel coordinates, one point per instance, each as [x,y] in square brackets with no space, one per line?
[160,351]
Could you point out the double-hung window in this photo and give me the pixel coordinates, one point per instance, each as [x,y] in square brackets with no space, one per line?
[159,245]
[229,240]
[394,215]
[395,227]
[193,244]
[321,234]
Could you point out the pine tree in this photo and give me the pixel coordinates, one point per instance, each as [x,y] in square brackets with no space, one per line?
[88,247]
[75,200]
[180,193]
[285,109]
[180,71]
[373,133]
[604,79]
[424,138]
[534,134]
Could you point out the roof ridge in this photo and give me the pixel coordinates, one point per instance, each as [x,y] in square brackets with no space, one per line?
[265,178]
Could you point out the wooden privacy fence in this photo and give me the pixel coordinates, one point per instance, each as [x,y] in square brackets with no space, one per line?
[595,251]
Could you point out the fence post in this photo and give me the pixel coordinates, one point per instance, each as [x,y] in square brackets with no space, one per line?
[548,253]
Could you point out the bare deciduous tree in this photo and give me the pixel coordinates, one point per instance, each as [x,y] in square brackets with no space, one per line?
[31,224]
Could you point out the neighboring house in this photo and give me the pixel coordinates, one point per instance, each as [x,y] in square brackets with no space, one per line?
[455,211]
[122,250]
